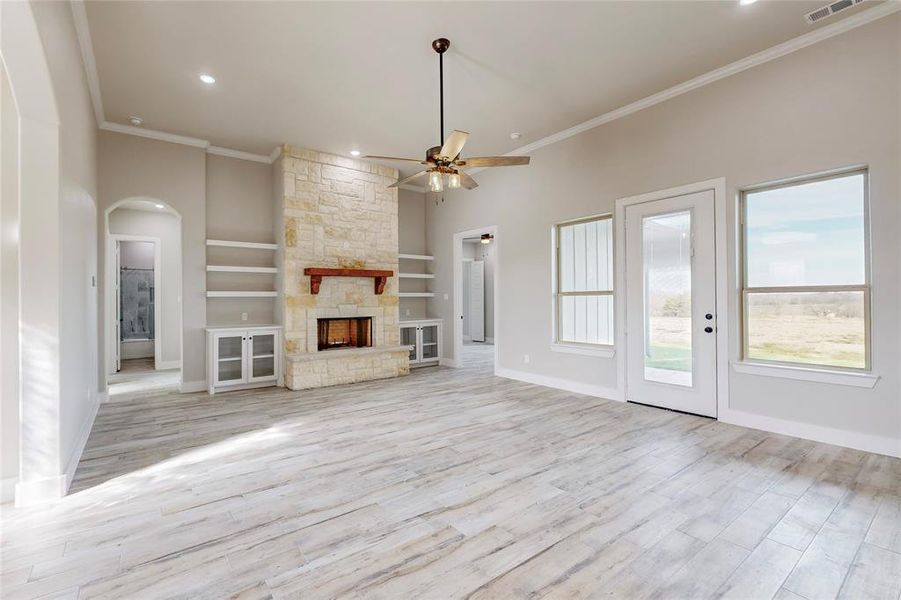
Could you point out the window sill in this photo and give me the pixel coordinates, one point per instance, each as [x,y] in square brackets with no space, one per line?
[600,351]
[862,380]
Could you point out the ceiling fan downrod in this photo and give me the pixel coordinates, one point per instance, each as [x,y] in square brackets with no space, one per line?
[440,46]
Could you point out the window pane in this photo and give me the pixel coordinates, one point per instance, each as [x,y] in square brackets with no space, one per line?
[586,319]
[808,327]
[666,246]
[586,256]
[806,234]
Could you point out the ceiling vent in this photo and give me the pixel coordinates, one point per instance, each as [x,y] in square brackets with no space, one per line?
[829,10]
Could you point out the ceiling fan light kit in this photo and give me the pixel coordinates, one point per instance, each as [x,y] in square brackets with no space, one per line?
[445,166]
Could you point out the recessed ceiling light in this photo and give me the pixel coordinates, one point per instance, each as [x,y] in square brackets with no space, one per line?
[746,2]
[515,135]
[136,121]
[159,206]
[355,153]
[206,78]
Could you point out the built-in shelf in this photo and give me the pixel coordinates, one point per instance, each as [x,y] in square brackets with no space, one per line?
[416,294]
[256,356]
[416,275]
[237,294]
[231,244]
[236,269]
[415,257]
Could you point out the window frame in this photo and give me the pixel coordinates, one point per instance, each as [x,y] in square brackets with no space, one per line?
[558,295]
[865,287]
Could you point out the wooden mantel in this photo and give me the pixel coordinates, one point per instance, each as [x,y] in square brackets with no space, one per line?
[317,273]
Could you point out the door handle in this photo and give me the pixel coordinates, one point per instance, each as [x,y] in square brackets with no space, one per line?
[708,316]
[708,329]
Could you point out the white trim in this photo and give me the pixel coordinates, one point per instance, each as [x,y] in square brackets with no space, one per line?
[188,387]
[239,154]
[83,436]
[165,365]
[448,362]
[457,332]
[232,269]
[489,340]
[275,154]
[779,50]
[589,389]
[88,61]
[40,491]
[416,275]
[718,186]
[599,352]
[155,135]
[796,372]
[233,244]
[8,489]
[828,435]
[415,294]
[241,294]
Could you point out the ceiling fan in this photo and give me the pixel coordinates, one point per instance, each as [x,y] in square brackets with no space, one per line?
[444,161]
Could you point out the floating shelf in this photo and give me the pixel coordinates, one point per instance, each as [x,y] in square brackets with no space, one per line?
[415,257]
[235,269]
[231,244]
[236,294]
[416,294]
[416,275]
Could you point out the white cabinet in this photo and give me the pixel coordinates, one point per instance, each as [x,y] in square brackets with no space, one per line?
[425,338]
[243,357]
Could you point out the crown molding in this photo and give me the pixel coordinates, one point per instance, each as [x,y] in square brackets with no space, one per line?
[153,134]
[802,41]
[275,154]
[240,154]
[83,33]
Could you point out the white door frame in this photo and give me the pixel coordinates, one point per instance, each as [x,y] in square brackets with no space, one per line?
[111,240]
[720,208]
[458,291]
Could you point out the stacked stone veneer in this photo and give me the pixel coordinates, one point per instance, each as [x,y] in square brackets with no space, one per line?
[337,212]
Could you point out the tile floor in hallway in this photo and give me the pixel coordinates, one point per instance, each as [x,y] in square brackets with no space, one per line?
[453,483]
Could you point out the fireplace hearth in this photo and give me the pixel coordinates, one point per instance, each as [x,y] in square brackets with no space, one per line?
[344,332]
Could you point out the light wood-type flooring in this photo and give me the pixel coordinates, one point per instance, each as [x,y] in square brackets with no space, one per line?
[453,483]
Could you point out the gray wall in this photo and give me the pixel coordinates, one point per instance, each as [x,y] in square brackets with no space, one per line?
[238,207]
[137,168]
[411,237]
[831,105]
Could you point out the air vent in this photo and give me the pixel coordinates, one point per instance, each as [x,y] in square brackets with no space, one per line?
[829,10]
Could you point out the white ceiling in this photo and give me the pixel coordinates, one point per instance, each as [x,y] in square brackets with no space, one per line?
[337,76]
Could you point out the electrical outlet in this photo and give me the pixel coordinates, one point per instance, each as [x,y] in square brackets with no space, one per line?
[526,359]
[445,296]
[407,312]
[243,316]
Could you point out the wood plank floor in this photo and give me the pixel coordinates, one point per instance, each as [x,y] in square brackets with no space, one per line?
[452,483]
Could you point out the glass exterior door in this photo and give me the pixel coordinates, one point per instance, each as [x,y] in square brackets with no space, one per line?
[670,303]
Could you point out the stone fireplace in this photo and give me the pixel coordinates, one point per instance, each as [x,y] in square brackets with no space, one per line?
[337,217]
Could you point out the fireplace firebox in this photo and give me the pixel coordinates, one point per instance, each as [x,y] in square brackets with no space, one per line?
[344,332]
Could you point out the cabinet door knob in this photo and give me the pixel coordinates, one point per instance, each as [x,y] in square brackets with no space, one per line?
[708,329]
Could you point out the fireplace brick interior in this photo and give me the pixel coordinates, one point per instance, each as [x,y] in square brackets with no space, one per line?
[351,332]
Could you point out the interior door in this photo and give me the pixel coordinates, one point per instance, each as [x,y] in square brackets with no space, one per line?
[670,303]
[118,326]
[477,301]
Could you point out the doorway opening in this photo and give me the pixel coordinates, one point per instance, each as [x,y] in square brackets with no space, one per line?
[475,297]
[143,299]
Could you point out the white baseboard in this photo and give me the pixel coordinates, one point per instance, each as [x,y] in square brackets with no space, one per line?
[816,433]
[489,340]
[188,387]
[83,436]
[40,491]
[588,389]
[448,362]
[8,489]
[103,397]
[165,365]
[467,338]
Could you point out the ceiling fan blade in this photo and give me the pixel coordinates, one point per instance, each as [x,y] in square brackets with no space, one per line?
[468,182]
[416,160]
[408,179]
[492,161]
[451,148]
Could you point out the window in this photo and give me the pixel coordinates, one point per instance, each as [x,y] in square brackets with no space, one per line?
[584,282]
[806,292]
